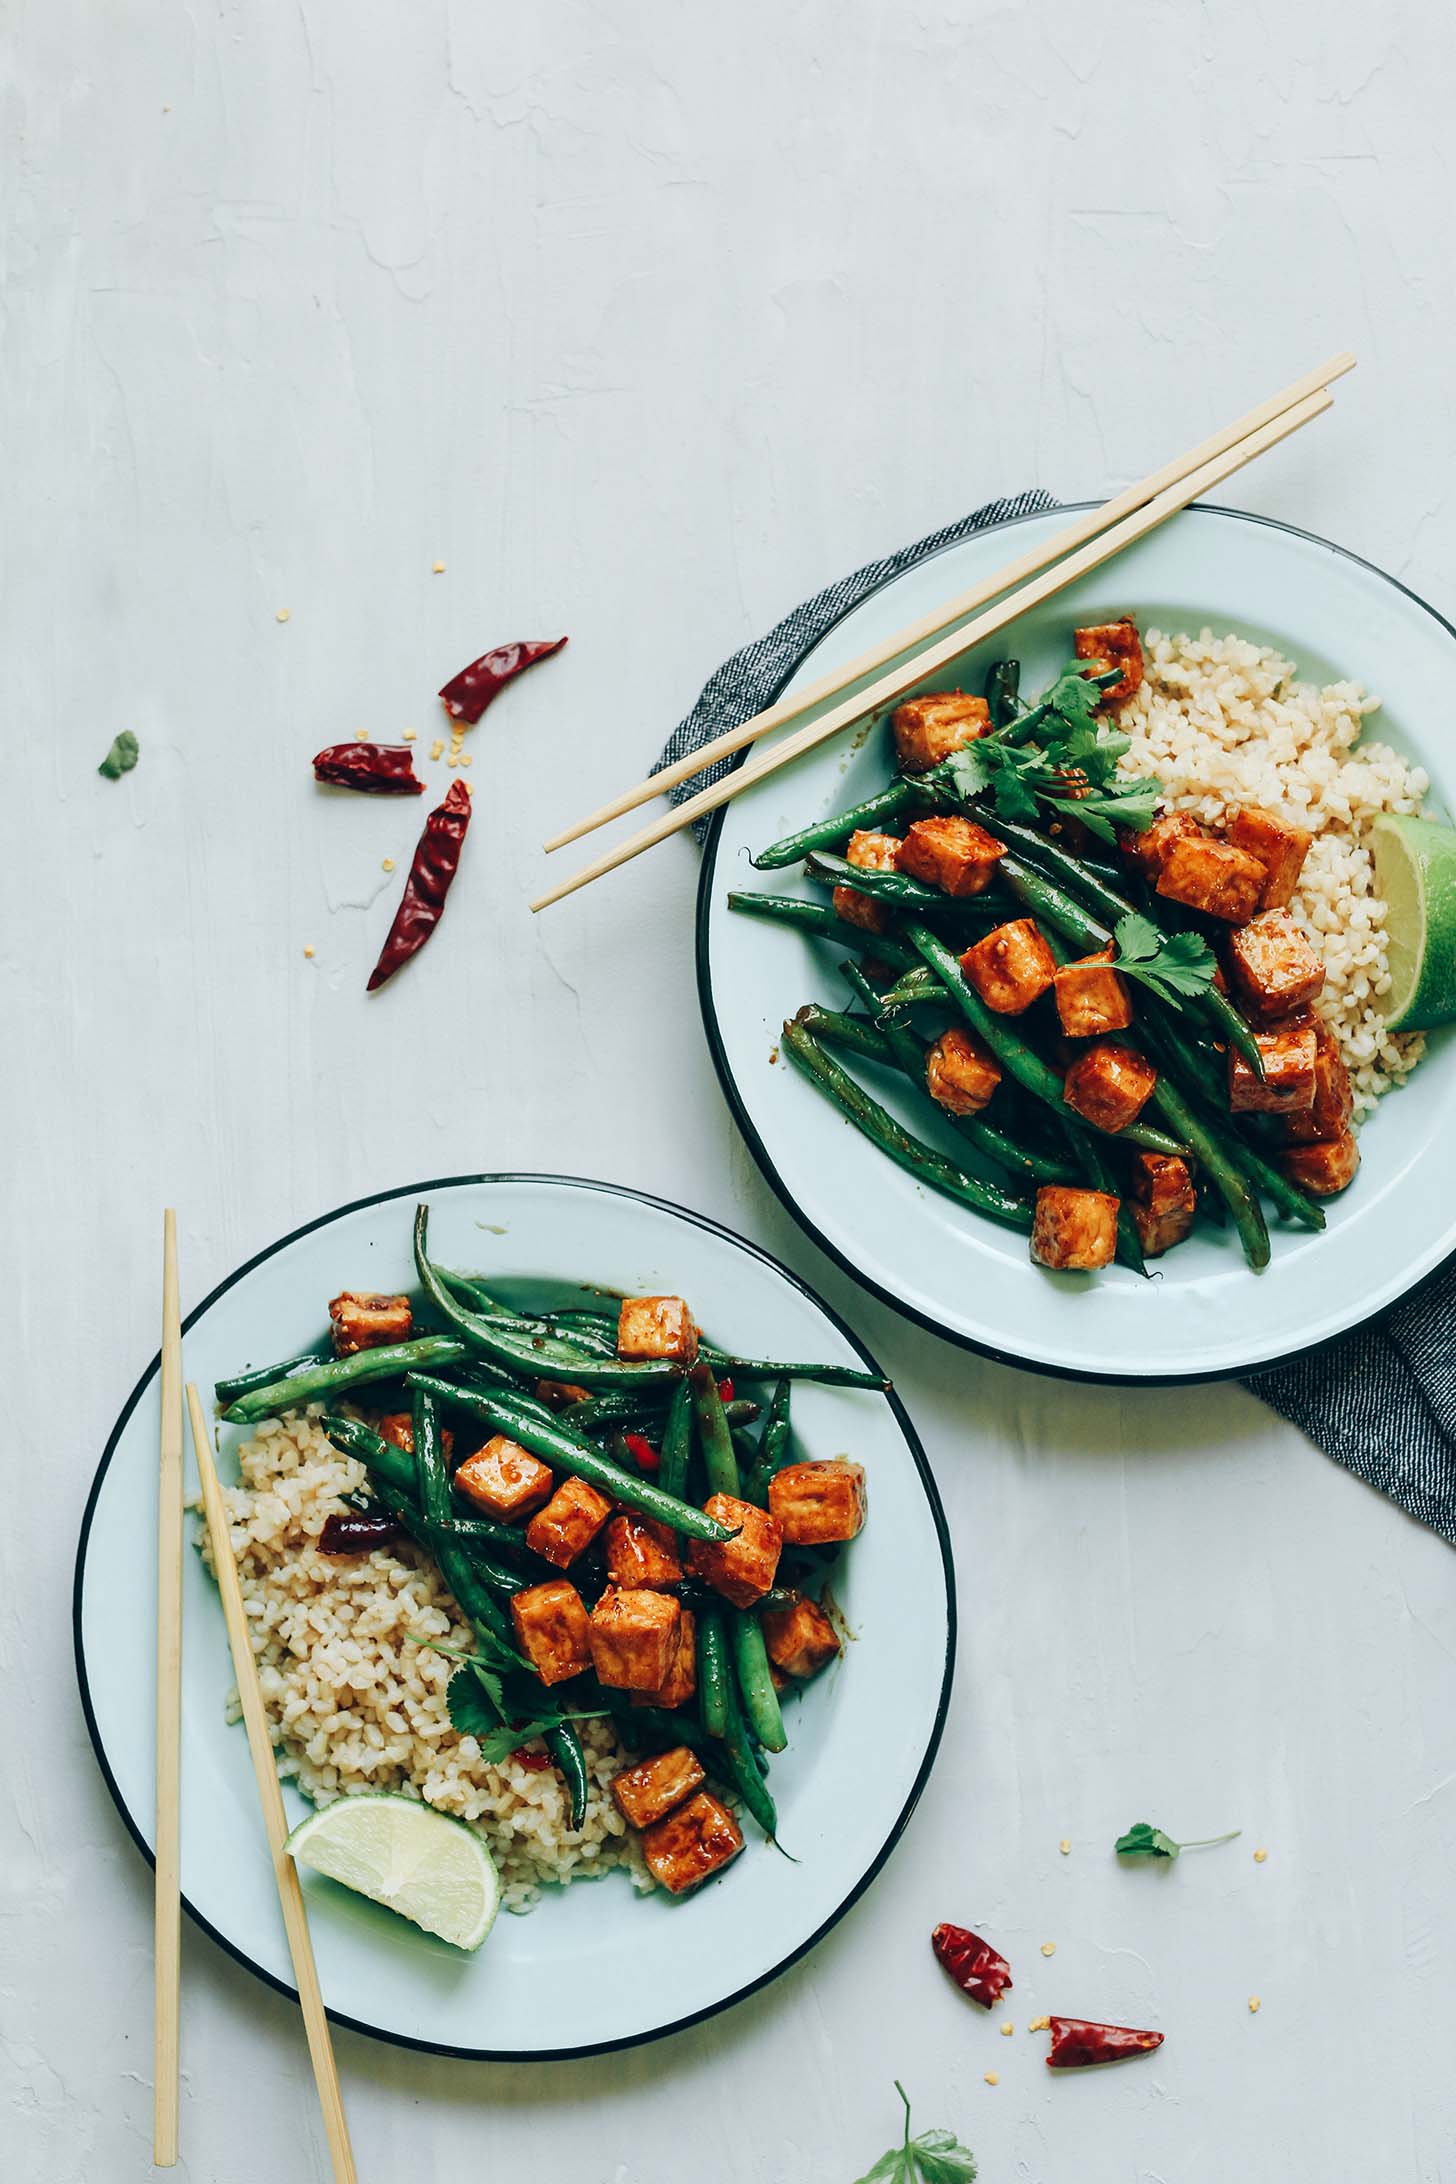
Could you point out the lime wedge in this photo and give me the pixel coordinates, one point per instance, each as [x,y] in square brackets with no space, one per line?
[418,1862]
[1415,873]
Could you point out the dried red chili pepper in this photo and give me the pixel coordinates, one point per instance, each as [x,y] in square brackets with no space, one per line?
[972,1963]
[352,1533]
[1076,2044]
[725,1391]
[538,1762]
[436,861]
[644,1454]
[379,769]
[467,694]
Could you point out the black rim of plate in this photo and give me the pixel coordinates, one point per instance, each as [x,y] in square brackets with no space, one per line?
[707,880]
[928,1486]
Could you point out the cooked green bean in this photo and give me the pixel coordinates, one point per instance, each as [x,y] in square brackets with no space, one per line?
[1197,1075]
[818,918]
[902,795]
[677,1441]
[744,1774]
[908,1152]
[774,1447]
[1002,692]
[720,1461]
[895,888]
[1210,1150]
[565,1748]
[556,1445]
[268,1376]
[322,1383]
[728,1365]
[713,1672]
[755,1679]
[535,1356]
[1024,1065]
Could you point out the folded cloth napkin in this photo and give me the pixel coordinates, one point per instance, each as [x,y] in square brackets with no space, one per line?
[1381,1401]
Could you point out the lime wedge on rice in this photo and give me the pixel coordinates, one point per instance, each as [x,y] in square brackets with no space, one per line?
[1415,874]
[418,1862]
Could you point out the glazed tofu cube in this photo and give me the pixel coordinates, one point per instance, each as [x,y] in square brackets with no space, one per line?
[800,1639]
[1112,644]
[1109,1085]
[634,1639]
[815,1504]
[561,1394]
[1328,1115]
[568,1523]
[1091,997]
[961,1073]
[642,1552]
[696,1840]
[1272,968]
[929,728]
[1010,968]
[360,1322]
[656,1327]
[1158,1232]
[867,852]
[682,1677]
[1221,881]
[551,1629]
[743,1568]
[1147,850]
[649,1791]
[952,854]
[1323,1169]
[1280,846]
[1074,1230]
[1289,1071]
[1160,1183]
[504,1480]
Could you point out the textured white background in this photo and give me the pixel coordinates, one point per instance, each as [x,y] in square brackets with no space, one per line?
[647,321]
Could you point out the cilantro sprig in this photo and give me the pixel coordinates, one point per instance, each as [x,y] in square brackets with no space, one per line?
[1174,966]
[1143,1840]
[932,2157]
[1071,768]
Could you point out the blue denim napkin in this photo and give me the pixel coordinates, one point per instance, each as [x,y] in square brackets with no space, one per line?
[1381,1401]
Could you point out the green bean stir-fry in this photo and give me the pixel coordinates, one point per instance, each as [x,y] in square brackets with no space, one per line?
[1109,1001]
[625,1532]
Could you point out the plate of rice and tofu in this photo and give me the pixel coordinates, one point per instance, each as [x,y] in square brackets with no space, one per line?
[576,1520]
[1093,1009]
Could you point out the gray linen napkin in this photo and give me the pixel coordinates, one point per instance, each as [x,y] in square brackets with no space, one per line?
[1381,1401]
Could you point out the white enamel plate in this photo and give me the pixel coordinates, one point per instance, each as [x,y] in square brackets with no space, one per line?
[596,1966]
[1204,1313]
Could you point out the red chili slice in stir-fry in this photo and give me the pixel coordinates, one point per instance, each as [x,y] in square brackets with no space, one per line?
[436,861]
[350,1532]
[379,769]
[972,1963]
[467,694]
[644,1454]
[1077,2043]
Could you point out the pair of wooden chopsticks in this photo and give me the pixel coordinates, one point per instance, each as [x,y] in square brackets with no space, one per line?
[931,644]
[167,1927]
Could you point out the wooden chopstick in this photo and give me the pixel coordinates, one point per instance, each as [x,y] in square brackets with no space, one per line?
[931,625]
[167,1887]
[275,1820]
[937,656]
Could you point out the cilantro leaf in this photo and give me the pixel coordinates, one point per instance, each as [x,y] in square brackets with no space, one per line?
[1143,1840]
[498,1744]
[1173,966]
[965,772]
[475,1701]
[934,2157]
[123,755]
[1074,697]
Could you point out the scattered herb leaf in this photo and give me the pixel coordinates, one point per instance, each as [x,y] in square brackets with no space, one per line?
[934,2157]
[1171,965]
[475,1707]
[498,1744]
[1143,1840]
[123,755]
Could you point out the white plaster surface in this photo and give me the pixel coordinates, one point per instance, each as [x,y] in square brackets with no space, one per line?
[646,321]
